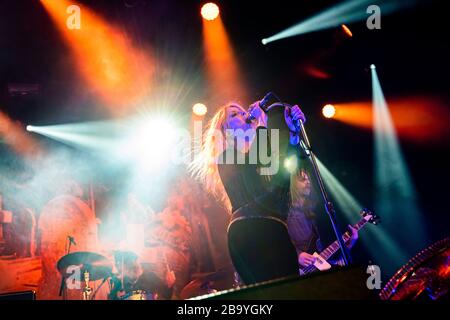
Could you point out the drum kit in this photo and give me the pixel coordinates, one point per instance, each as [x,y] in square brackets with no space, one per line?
[87,267]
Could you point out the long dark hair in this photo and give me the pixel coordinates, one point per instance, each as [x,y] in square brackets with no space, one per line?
[308,202]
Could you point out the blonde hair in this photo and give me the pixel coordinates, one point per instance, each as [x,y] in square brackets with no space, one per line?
[204,166]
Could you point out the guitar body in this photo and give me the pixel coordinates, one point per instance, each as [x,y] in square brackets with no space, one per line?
[319,265]
[321,262]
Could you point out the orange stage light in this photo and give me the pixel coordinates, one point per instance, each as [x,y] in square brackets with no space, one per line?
[199,109]
[328,111]
[222,67]
[420,119]
[112,67]
[210,11]
[347,30]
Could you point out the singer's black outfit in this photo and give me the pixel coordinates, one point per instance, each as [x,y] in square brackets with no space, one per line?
[258,240]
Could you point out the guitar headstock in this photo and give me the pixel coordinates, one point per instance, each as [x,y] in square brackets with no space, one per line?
[369,216]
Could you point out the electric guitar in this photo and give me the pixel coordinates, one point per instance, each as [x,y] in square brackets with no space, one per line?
[321,262]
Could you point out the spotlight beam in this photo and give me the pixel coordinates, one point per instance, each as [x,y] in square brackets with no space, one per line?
[396,197]
[344,13]
[383,247]
[96,135]
[222,67]
[120,73]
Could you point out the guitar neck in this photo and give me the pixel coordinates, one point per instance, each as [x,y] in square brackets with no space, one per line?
[334,247]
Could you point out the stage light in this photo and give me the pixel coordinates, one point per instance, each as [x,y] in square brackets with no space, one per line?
[347,30]
[396,196]
[199,109]
[328,111]
[149,143]
[291,164]
[95,135]
[224,75]
[210,11]
[344,12]
[372,66]
[380,241]
[119,72]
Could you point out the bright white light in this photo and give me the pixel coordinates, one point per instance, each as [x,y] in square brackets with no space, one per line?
[291,164]
[210,11]
[329,111]
[372,66]
[199,109]
[151,142]
[264,41]
[29,128]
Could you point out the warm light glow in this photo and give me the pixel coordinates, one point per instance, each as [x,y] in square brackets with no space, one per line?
[224,76]
[14,135]
[210,11]
[417,118]
[329,111]
[347,30]
[315,72]
[112,67]
[199,109]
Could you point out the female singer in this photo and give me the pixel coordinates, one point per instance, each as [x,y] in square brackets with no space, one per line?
[258,241]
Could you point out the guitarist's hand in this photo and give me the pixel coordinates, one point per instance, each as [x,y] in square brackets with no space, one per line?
[353,238]
[305,259]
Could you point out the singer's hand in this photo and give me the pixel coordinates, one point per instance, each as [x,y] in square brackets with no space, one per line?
[258,113]
[292,115]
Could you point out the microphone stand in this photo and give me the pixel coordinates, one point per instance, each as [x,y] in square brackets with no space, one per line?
[62,287]
[329,208]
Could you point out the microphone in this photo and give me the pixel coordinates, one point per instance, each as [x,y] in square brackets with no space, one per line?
[72,240]
[262,104]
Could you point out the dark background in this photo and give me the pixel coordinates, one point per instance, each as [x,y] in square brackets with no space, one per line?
[410,52]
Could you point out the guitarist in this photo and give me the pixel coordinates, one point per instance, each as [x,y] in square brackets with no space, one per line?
[301,222]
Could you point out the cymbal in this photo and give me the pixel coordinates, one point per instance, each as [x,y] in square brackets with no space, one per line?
[97,265]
